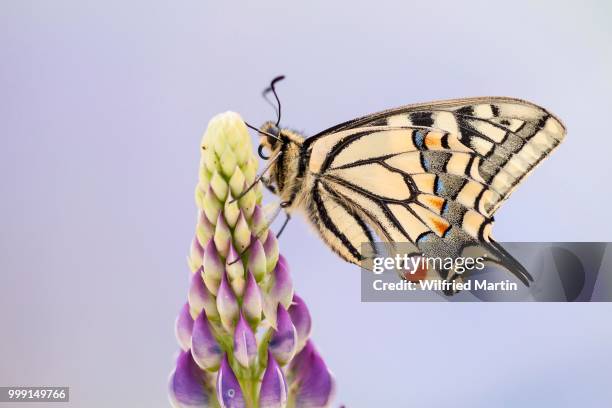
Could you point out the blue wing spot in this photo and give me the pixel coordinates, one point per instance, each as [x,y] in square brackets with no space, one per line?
[423,238]
[426,164]
[439,186]
[444,207]
[419,139]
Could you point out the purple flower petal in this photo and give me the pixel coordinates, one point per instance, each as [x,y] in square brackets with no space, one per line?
[271,249]
[229,392]
[300,317]
[282,290]
[312,380]
[200,297]
[187,384]
[282,260]
[257,259]
[284,340]
[204,347]
[273,393]
[213,267]
[183,327]
[245,345]
[227,305]
[251,303]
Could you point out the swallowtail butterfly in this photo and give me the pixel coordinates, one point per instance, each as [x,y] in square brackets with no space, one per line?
[430,174]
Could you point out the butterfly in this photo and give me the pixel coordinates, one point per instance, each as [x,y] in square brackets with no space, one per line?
[431,174]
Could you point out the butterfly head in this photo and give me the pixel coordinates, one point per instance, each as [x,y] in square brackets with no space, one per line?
[281,148]
[270,140]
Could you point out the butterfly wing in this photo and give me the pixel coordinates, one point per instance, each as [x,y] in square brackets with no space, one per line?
[432,174]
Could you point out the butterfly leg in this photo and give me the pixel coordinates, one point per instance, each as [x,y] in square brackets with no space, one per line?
[282,228]
[281,205]
[268,184]
[268,223]
[257,179]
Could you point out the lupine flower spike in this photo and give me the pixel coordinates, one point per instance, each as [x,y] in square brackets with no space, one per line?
[243,334]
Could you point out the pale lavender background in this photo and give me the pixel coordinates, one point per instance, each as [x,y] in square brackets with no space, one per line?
[101,111]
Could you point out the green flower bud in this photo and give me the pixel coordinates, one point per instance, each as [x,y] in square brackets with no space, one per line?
[228,162]
[237,182]
[222,236]
[219,186]
[242,233]
[211,205]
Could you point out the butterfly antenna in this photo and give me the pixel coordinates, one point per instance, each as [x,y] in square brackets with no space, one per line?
[257,179]
[272,89]
[264,93]
[262,132]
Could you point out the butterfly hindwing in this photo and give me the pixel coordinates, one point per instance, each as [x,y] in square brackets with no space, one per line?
[338,223]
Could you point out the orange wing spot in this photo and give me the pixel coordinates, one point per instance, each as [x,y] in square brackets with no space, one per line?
[432,141]
[440,226]
[434,222]
[433,202]
[417,275]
